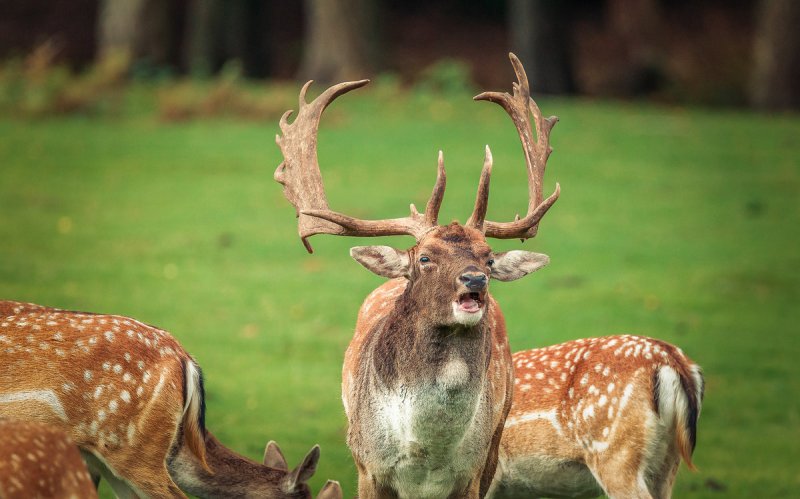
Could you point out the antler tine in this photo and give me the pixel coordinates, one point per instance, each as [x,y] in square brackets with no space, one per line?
[302,181]
[435,201]
[476,220]
[518,106]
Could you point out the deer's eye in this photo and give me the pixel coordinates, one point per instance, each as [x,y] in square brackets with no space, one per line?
[424,259]
[490,262]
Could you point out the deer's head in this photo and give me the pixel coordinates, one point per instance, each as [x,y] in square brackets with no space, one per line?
[450,266]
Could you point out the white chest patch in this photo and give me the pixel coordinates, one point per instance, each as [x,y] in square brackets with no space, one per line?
[454,373]
[427,442]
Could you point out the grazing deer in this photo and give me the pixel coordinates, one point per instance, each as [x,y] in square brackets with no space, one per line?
[427,378]
[611,415]
[132,399]
[38,460]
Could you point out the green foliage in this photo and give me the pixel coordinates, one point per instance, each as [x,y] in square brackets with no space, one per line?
[675,223]
[447,76]
[38,87]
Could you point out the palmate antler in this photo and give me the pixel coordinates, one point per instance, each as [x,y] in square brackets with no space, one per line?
[536,154]
[302,182]
[300,175]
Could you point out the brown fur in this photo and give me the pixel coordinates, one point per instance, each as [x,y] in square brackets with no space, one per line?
[590,404]
[118,388]
[37,460]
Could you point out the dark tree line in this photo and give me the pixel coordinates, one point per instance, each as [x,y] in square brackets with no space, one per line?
[610,47]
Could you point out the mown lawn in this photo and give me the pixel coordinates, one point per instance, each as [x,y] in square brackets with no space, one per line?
[682,224]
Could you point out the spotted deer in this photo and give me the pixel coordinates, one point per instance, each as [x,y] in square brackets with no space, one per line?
[611,415]
[38,460]
[132,399]
[427,378]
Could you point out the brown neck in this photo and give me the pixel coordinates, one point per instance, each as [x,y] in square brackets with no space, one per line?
[233,475]
[406,346]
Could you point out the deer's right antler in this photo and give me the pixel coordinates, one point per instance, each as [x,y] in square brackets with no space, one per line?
[302,181]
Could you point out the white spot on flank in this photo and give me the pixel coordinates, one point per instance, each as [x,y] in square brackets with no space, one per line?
[87,375]
[539,375]
[109,336]
[588,412]
[98,391]
[125,396]
[112,406]
[57,336]
[585,379]
[117,368]
[139,391]
[101,415]
[127,357]
[146,377]
[140,365]
[626,395]
[602,401]
[106,366]
[131,432]
[127,378]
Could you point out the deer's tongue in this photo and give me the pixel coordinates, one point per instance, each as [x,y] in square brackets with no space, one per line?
[469,303]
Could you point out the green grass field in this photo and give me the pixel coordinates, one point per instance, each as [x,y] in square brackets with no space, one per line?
[681,224]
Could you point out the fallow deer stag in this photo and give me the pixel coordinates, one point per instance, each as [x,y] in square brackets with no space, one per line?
[38,460]
[611,415]
[132,399]
[427,378]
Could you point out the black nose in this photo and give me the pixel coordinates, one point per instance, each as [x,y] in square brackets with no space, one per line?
[475,281]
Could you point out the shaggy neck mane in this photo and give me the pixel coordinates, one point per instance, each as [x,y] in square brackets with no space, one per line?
[406,342]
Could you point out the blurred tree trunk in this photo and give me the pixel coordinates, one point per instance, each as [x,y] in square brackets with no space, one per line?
[340,40]
[776,73]
[540,37]
[144,29]
[153,40]
[118,22]
[222,30]
[636,24]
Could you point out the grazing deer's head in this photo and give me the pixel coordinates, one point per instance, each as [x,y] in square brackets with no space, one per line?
[450,266]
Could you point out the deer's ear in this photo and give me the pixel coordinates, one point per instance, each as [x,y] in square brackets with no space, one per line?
[512,265]
[273,457]
[304,470]
[331,490]
[382,260]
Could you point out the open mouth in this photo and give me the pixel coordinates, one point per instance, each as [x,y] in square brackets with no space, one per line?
[470,302]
